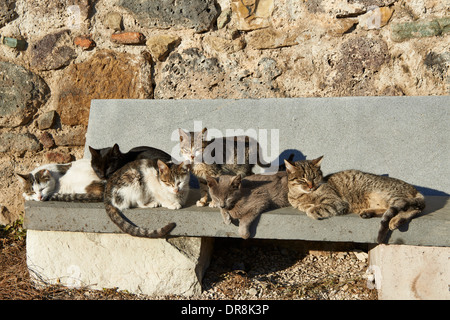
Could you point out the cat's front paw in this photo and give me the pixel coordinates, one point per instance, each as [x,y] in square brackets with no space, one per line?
[226,217]
[200,203]
[152,204]
[213,204]
[317,213]
[174,206]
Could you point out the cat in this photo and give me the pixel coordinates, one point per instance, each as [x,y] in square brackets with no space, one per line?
[146,183]
[245,199]
[75,181]
[193,146]
[106,161]
[352,191]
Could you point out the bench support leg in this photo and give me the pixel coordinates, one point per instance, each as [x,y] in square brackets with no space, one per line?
[101,260]
[410,272]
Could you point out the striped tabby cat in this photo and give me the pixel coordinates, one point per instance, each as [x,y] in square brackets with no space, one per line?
[219,156]
[366,194]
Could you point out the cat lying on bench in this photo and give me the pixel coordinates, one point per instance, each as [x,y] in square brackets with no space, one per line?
[302,185]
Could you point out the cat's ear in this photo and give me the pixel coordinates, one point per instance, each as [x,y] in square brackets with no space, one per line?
[289,166]
[23,178]
[317,161]
[183,135]
[115,149]
[94,152]
[236,182]
[201,135]
[162,167]
[212,182]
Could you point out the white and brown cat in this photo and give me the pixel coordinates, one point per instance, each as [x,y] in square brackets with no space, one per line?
[74,181]
[146,183]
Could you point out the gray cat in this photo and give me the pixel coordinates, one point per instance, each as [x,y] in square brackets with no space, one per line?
[216,157]
[245,199]
[146,183]
[366,194]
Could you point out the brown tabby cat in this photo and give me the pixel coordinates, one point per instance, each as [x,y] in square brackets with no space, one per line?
[245,199]
[206,160]
[366,194]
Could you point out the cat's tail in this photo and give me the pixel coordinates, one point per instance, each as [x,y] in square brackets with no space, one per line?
[127,226]
[401,210]
[76,197]
[281,167]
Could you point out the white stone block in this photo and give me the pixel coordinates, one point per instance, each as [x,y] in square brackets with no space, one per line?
[103,260]
[410,272]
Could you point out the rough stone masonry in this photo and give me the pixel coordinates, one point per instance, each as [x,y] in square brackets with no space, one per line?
[198,49]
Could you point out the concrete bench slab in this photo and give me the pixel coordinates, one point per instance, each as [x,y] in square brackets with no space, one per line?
[403,137]
[430,229]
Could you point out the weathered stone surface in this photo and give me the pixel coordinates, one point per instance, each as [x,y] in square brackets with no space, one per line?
[410,272]
[145,266]
[128,38]
[252,14]
[360,58]
[21,94]
[7,12]
[46,120]
[190,74]
[18,142]
[160,46]
[113,20]
[220,44]
[438,63]
[224,18]
[53,51]
[187,14]
[341,26]
[47,140]
[84,42]
[418,29]
[58,157]
[373,3]
[376,18]
[75,137]
[107,75]
[270,38]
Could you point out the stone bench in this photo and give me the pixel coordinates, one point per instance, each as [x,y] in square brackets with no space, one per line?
[405,137]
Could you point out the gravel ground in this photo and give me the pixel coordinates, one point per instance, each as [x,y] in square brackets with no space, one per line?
[285,270]
[250,270]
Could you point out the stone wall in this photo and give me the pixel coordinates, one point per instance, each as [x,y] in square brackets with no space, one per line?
[55,56]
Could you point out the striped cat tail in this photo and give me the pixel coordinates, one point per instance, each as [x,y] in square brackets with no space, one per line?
[76,197]
[127,226]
